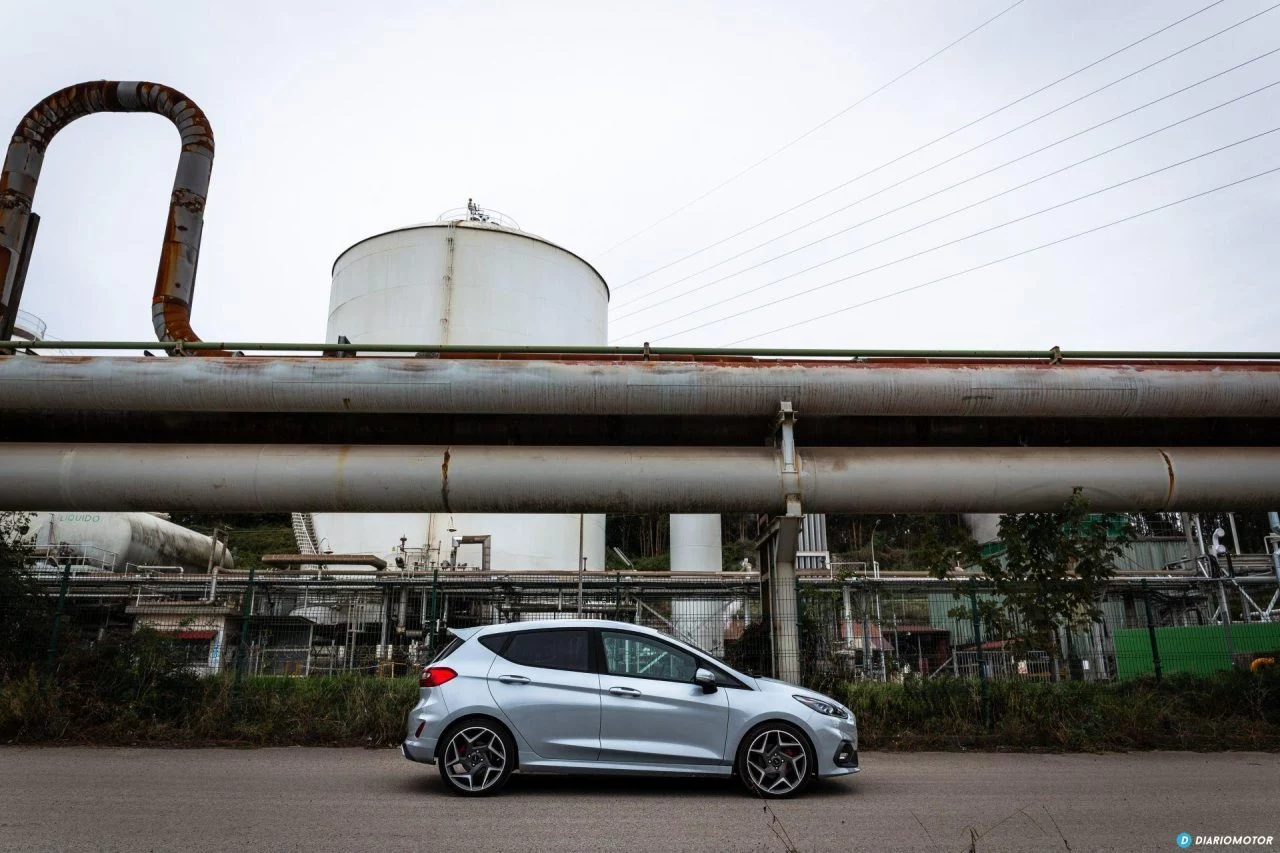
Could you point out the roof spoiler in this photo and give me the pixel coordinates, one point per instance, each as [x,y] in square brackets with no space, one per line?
[463,634]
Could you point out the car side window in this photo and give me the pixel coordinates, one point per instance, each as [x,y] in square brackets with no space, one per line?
[560,649]
[644,657]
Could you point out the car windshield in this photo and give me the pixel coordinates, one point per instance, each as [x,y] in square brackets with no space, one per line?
[688,642]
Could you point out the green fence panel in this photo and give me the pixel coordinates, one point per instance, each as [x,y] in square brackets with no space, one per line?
[1197,649]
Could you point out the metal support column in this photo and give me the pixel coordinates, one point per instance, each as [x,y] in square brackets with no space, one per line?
[778,557]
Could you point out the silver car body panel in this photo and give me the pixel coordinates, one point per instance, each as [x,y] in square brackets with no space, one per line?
[662,722]
[556,711]
[560,725]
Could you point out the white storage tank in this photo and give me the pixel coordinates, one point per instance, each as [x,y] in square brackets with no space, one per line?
[469,278]
[696,547]
[112,540]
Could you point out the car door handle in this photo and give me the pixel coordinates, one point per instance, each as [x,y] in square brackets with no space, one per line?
[514,679]
[624,691]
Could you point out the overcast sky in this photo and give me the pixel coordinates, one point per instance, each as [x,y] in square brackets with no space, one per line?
[587,122]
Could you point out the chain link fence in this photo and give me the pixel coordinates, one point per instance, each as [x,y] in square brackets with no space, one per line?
[849,629]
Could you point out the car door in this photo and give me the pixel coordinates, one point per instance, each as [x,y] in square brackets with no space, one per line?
[651,711]
[544,683]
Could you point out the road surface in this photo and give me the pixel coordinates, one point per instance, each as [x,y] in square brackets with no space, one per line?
[353,799]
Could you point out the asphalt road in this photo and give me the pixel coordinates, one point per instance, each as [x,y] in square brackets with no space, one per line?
[352,799]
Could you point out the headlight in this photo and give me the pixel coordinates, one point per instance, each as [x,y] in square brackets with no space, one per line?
[823,707]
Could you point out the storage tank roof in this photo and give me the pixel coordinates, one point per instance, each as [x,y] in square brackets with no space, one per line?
[477,225]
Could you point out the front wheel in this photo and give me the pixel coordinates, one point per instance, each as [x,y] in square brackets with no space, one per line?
[476,758]
[775,761]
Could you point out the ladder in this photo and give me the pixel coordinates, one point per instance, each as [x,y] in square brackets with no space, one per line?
[304,531]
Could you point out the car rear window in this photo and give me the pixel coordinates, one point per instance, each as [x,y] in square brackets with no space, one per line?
[560,649]
[494,642]
[446,650]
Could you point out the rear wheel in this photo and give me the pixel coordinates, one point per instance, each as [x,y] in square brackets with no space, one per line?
[775,761]
[476,757]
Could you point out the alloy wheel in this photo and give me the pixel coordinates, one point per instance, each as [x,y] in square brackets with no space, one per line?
[475,758]
[776,762]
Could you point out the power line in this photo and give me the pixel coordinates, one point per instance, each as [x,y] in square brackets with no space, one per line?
[947,215]
[902,207]
[813,129]
[932,142]
[1057,242]
[970,236]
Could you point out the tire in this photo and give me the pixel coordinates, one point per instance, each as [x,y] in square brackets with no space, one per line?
[775,761]
[476,757]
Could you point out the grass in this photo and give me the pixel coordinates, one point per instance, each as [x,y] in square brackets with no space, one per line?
[1225,711]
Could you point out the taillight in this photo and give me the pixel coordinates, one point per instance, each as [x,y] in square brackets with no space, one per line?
[434,676]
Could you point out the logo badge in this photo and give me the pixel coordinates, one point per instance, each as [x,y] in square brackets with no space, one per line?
[1184,839]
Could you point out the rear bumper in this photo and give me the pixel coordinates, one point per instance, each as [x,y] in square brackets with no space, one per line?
[422,750]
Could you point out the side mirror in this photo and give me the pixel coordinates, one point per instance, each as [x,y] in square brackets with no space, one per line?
[706,678]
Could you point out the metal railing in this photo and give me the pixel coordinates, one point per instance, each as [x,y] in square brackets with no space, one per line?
[850,629]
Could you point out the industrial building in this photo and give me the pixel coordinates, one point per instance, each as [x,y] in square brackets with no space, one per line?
[456,440]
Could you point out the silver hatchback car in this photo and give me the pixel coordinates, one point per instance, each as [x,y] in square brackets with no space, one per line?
[595,696]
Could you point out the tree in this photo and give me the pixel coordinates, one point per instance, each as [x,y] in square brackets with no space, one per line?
[1054,569]
[25,615]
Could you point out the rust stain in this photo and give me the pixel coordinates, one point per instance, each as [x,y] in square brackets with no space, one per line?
[1168,464]
[444,480]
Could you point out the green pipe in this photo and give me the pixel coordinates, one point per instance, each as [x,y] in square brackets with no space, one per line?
[987,718]
[435,581]
[52,658]
[248,346]
[246,616]
[1151,631]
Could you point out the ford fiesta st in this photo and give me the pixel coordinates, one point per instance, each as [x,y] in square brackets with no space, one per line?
[594,696]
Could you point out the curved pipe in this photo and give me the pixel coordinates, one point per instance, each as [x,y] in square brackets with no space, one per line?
[176,275]
[361,478]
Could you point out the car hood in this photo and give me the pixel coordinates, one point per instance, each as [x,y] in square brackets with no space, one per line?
[773,685]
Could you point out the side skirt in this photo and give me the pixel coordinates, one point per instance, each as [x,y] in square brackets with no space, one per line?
[546,765]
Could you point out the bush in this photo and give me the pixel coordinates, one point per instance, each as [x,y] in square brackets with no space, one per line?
[1229,710]
[138,689]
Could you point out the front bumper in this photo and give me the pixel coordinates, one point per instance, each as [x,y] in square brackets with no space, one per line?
[834,738]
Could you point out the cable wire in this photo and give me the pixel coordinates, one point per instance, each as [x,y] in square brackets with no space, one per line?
[943,216]
[928,196]
[1024,252]
[957,240]
[933,142]
[811,130]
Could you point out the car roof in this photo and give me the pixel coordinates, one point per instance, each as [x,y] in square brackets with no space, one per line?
[545,624]
[536,624]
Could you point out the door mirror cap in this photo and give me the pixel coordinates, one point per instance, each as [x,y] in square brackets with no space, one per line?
[707,679]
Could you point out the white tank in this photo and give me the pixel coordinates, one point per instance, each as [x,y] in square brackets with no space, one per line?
[696,547]
[472,279]
[111,540]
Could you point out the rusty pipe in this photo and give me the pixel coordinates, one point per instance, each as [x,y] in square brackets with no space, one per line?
[754,389]
[388,478]
[179,254]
